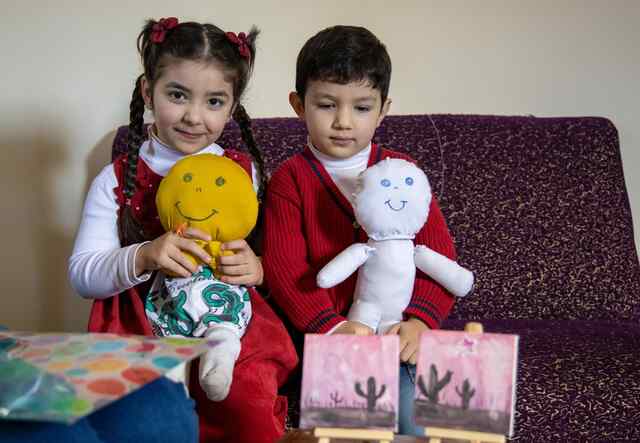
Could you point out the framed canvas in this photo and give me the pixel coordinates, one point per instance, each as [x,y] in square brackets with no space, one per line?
[466,381]
[350,381]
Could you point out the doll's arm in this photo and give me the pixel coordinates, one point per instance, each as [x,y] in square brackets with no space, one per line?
[343,265]
[430,301]
[453,277]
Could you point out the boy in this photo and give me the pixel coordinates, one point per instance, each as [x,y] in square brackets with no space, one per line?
[342,83]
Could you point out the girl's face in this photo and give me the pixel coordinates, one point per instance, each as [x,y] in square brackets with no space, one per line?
[191,103]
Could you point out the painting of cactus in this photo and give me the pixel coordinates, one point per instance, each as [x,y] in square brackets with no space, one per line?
[335,398]
[435,386]
[350,381]
[466,381]
[466,393]
[370,395]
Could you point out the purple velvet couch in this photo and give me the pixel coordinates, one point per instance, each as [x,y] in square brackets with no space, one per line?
[539,211]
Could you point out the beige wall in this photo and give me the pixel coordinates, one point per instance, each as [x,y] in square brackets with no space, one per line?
[68,67]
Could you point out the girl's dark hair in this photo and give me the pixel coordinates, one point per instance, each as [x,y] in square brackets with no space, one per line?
[344,54]
[186,41]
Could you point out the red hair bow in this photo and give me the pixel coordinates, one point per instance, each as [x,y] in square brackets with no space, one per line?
[241,41]
[160,28]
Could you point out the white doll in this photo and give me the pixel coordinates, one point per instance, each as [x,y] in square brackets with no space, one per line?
[391,204]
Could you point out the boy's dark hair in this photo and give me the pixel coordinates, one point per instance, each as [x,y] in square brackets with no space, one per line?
[186,41]
[344,54]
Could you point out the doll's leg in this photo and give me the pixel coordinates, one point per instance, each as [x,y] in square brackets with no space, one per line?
[216,365]
[386,324]
[225,311]
[365,312]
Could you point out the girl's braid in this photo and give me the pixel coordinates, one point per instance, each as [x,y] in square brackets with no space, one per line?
[129,229]
[244,123]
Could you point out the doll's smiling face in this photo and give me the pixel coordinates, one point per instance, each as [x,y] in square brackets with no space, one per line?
[211,193]
[393,199]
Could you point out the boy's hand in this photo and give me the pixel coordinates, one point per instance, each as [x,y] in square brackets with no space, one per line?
[166,253]
[409,332]
[241,268]
[353,328]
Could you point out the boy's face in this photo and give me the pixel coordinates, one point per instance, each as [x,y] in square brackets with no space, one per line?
[340,119]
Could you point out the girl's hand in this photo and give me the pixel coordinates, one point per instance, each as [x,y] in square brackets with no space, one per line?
[409,332]
[353,328]
[166,253]
[241,268]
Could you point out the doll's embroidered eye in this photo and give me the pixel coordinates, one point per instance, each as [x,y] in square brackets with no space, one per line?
[187,177]
[385,182]
[408,181]
[220,181]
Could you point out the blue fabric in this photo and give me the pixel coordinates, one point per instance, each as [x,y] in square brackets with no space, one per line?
[406,424]
[158,412]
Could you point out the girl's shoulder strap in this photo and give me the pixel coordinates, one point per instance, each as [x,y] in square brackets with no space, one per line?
[146,178]
[119,167]
[119,164]
[119,145]
[242,158]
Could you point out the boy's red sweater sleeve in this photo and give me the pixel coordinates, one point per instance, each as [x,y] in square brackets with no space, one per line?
[290,278]
[430,302]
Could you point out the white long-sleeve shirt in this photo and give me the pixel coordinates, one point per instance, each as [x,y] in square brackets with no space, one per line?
[99,267]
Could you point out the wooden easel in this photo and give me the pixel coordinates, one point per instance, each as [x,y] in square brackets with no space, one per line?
[325,435]
[437,434]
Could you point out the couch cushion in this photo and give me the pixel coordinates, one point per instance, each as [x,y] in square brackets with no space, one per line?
[577,380]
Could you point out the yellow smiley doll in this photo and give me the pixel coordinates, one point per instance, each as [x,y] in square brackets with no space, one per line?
[216,195]
[211,193]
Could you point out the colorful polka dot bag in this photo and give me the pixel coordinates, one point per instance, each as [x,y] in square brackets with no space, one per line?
[63,377]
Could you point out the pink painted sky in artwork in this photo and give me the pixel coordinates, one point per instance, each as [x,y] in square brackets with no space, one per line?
[334,363]
[487,360]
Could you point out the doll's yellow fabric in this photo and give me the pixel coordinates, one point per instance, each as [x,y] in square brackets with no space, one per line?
[212,193]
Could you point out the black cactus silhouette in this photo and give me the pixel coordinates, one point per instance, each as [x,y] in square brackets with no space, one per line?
[466,393]
[432,392]
[335,397]
[370,395]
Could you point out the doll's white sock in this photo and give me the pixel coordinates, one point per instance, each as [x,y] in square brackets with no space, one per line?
[216,365]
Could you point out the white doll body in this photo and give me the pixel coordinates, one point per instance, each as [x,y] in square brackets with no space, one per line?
[391,204]
[388,274]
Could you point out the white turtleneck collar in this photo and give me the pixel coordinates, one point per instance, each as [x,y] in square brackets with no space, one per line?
[160,157]
[344,171]
[356,161]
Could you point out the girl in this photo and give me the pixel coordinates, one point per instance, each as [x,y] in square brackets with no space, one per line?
[194,76]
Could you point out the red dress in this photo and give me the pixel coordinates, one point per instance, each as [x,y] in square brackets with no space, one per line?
[253,411]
